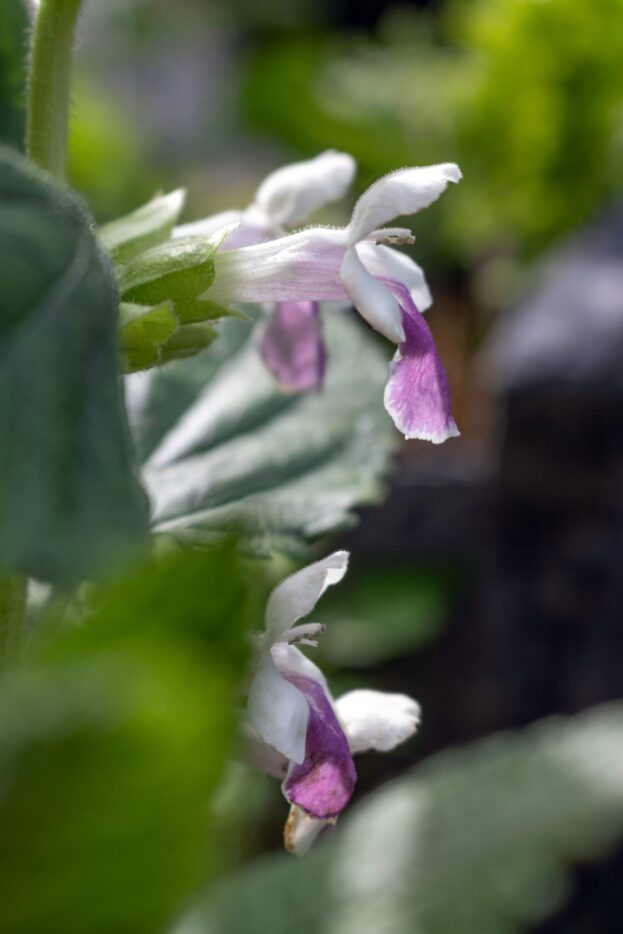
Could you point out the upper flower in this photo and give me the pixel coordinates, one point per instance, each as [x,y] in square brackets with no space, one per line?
[292,346]
[354,264]
[305,735]
[285,199]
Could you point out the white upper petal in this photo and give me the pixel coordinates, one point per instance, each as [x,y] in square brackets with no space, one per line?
[371,298]
[388,263]
[296,596]
[376,720]
[403,192]
[289,195]
[278,711]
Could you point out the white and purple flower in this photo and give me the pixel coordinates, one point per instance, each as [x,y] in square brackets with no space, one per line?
[299,733]
[352,264]
[292,346]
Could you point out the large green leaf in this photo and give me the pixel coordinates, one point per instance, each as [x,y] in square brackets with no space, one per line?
[225,449]
[475,841]
[113,737]
[69,499]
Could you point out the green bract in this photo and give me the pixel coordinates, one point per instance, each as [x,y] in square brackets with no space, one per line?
[146,227]
[142,333]
[69,499]
[180,270]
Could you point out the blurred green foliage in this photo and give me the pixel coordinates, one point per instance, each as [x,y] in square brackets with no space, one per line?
[108,162]
[113,737]
[526,95]
[379,613]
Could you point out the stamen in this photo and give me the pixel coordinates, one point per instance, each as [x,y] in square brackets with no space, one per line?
[307,634]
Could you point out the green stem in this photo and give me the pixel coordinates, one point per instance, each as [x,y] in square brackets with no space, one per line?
[13,592]
[49,80]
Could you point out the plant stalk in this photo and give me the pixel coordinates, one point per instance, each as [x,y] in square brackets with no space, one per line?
[49,79]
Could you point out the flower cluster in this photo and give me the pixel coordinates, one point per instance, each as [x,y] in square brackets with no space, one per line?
[259,261]
[295,729]
[297,732]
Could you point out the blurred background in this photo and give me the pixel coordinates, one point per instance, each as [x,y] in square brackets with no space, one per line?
[489,584]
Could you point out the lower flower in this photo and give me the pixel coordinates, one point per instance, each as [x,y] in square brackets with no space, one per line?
[298,731]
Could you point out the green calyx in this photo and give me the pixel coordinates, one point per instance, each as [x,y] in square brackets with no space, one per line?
[164,313]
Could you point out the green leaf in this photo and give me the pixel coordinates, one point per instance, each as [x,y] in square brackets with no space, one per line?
[113,738]
[179,270]
[473,841]
[146,227]
[69,500]
[225,449]
[142,332]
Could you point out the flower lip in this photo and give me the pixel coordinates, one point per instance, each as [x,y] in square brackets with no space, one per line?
[403,192]
[323,783]
[417,396]
[292,346]
[296,596]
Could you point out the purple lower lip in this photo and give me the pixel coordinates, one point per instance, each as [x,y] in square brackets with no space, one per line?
[293,348]
[323,783]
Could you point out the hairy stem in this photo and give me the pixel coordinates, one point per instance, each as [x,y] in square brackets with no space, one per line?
[49,78]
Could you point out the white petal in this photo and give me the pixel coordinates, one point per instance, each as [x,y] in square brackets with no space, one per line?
[376,720]
[278,711]
[296,596]
[301,830]
[289,195]
[371,298]
[387,263]
[403,192]
[291,663]
[260,755]
[304,266]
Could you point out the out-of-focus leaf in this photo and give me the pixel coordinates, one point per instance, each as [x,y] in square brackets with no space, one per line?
[13,25]
[473,841]
[146,227]
[113,737]
[383,612]
[69,499]
[225,449]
